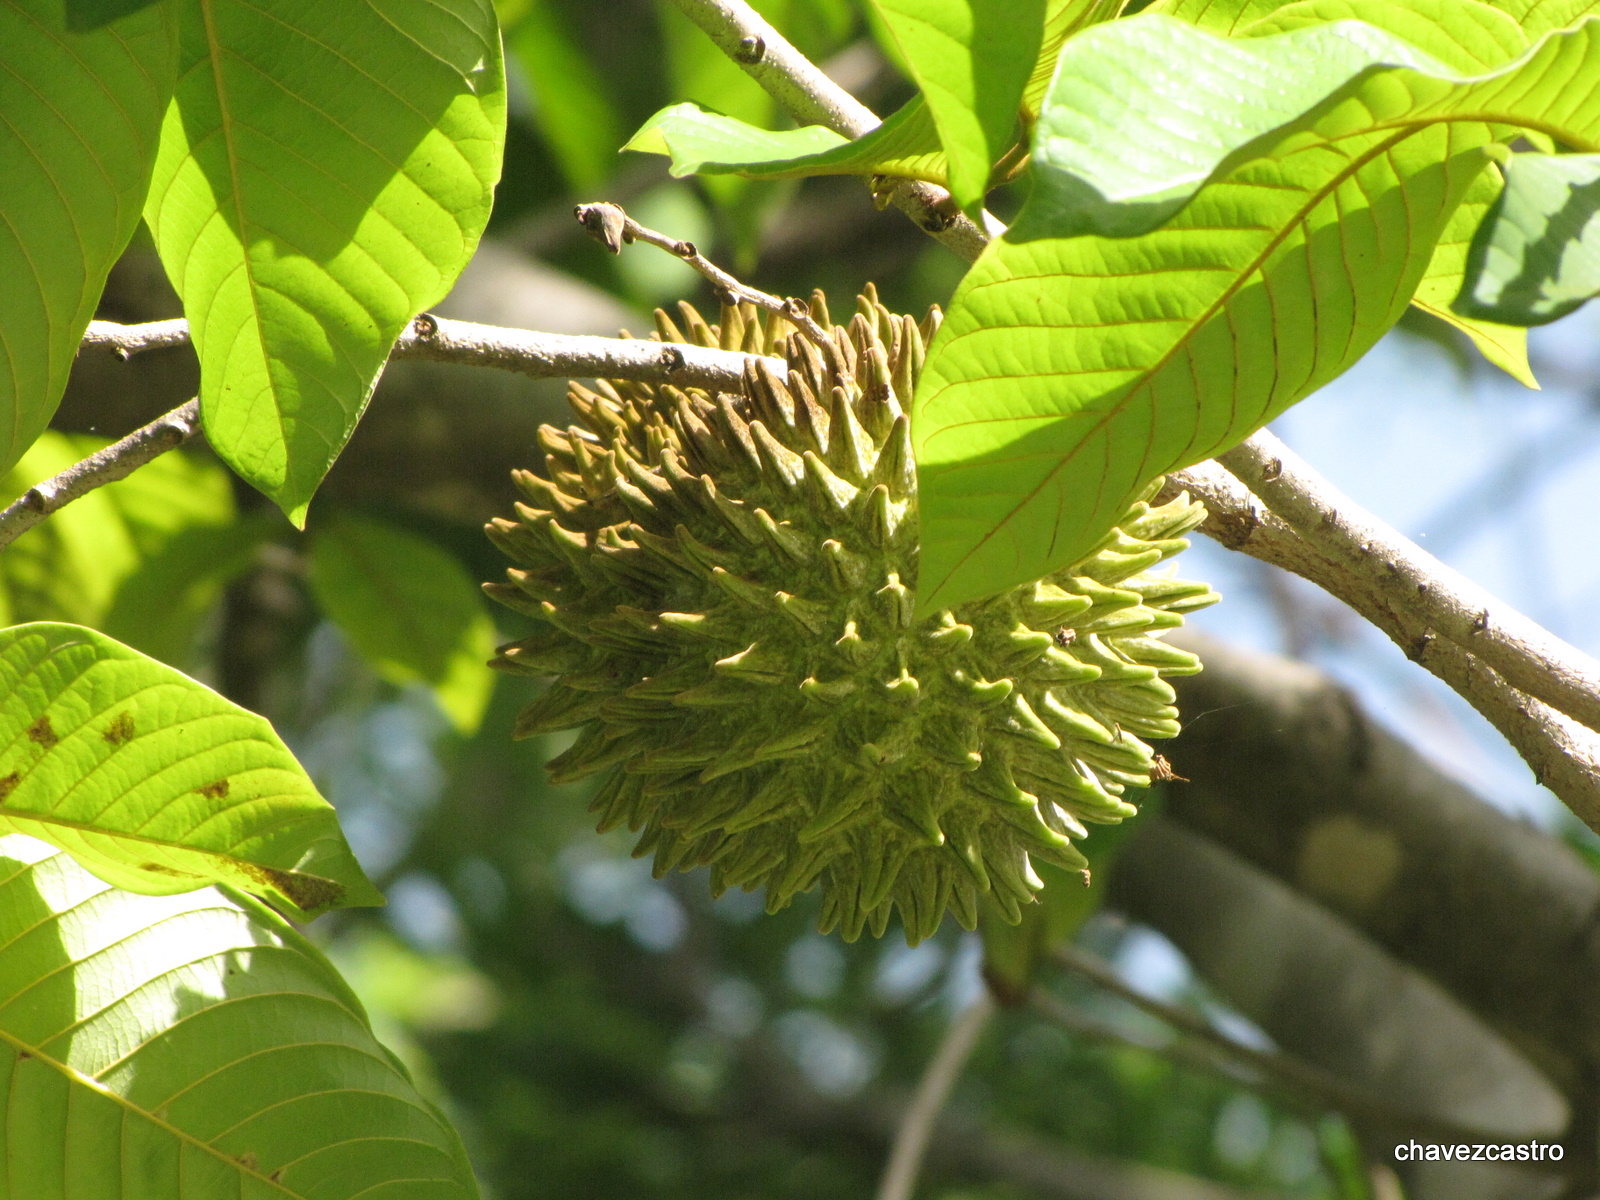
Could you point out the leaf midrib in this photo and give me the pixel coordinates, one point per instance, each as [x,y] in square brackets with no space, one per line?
[225,118]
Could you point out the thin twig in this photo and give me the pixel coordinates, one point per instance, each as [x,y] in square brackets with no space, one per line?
[1313,1083]
[1564,755]
[108,465]
[1437,600]
[613,228]
[798,84]
[917,1122]
[542,355]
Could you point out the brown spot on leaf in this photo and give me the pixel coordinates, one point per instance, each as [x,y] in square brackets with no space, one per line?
[248,1160]
[310,893]
[120,730]
[172,872]
[276,1175]
[8,783]
[42,733]
[214,791]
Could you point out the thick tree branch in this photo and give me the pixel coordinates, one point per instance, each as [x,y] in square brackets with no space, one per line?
[1286,771]
[1564,755]
[114,462]
[1421,590]
[798,84]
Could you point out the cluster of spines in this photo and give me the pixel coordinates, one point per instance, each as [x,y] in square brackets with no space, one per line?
[726,582]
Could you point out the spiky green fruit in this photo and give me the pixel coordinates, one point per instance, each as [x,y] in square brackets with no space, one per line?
[723,585]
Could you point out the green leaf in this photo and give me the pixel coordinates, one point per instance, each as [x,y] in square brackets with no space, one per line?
[972,60]
[79,120]
[193,1047]
[1216,16]
[325,172]
[1538,17]
[573,109]
[410,609]
[1465,35]
[85,16]
[1194,104]
[1536,257]
[1062,19]
[1073,370]
[143,558]
[1506,346]
[156,783]
[906,146]
[69,567]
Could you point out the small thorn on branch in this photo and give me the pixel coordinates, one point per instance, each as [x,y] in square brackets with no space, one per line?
[613,228]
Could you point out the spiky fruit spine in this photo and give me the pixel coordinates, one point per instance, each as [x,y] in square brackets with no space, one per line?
[723,585]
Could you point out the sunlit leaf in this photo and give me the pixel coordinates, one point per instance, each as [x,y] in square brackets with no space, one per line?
[79,120]
[1537,254]
[906,145]
[1062,19]
[1465,35]
[324,173]
[189,1048]
[1541,16]
[1072,370]
[1506,346]
[156,783]
[410,608]
[972,59]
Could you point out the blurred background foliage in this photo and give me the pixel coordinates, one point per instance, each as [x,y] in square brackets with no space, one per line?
[596,1032]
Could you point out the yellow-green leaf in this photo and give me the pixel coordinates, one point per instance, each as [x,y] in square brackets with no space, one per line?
[156,783]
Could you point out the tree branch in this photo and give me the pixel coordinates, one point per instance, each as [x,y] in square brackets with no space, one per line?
[920,1117]
[1353,556]
[547,355]
[798,84]
[525,351]
[1288,773]
[108,465]
[127,340]
[1419,587]
[542,355]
